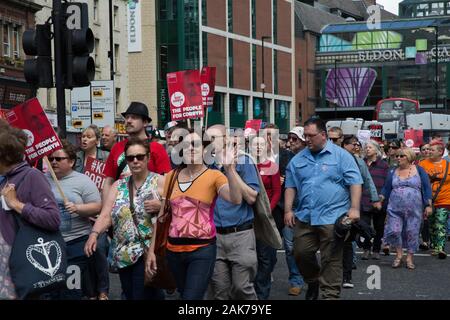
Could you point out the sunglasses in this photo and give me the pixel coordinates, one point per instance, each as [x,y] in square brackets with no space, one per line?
[400,156]
[57,158]
[139,157]
[295,139]
[394,147]
[335,139]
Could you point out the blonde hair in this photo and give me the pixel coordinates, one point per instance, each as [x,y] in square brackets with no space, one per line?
[409,153]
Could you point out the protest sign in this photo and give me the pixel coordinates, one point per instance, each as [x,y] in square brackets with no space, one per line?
[252,126]
[30,117]
[413,138]
[208,85]
[363,136]
[185,95]
[94,170]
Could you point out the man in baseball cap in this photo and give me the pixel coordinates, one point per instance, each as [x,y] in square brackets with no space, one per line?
[296,139]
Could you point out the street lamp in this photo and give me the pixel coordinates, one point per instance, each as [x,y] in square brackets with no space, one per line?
[335,87]
[263,84]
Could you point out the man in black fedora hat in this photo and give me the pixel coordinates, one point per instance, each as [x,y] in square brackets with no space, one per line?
[136,119]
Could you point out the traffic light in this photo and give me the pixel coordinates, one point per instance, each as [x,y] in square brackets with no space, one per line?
[38,71]
[79,66]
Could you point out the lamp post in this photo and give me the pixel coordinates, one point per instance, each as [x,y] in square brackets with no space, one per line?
[436,65]
[263,84]
[335,87]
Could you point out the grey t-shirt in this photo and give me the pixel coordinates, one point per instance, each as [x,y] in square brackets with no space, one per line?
[78,188]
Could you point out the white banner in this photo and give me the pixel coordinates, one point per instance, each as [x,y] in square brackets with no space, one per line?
[103,103]
[134,26]
[80,106]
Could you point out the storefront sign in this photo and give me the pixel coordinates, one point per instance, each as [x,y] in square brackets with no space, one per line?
[134,26]
[381,55]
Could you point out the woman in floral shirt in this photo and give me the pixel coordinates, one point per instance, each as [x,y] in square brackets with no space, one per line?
[128,208]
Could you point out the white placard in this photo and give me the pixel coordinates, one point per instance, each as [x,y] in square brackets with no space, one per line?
[363,136]
[103,103]
[134,26]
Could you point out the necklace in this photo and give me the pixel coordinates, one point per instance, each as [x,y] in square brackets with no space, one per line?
[409,171]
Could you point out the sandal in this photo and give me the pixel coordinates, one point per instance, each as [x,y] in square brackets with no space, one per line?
[397,263]
[103,296]
[410,265]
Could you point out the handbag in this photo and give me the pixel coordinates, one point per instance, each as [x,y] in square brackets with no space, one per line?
[163,278]
[38,260]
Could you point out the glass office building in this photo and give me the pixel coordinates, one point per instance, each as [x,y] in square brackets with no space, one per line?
[357,65]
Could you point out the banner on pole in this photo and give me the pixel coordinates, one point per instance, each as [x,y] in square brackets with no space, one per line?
[252,126]
[94,170]
[30,117]
[185,95]
[208,80]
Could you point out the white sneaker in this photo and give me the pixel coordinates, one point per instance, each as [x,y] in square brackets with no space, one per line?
[348,284]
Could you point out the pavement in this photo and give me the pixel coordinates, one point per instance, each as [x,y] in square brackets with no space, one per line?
[429,281]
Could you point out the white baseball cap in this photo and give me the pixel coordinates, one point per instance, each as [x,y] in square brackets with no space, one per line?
[299,132]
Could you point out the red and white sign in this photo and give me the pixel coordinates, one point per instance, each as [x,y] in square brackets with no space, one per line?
[208,86]
[186,101]
[30,117]
[94,169]
[252,126]
[376,132]
[413,138]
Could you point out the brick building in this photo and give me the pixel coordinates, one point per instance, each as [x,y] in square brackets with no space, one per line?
[15,17]
[228,34]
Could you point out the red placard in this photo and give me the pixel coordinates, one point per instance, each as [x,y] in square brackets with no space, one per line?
[30,117]
[208,80]
[94,169]
[253,124]
[185,95]
[376,132]
[413,138]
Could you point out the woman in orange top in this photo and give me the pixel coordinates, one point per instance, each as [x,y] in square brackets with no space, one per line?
[435,167]
[191,247]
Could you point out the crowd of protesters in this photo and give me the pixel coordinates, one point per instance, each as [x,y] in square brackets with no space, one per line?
[323,187]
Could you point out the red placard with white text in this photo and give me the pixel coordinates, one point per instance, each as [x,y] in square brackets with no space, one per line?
[31,118]
[252,125]
[208,80]
[94,170]
[185,95]
[413,138]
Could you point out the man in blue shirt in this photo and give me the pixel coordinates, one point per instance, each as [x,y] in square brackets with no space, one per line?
[236,261]
[327,183]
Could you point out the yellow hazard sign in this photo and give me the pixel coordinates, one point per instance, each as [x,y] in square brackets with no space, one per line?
[77,123]
[97,93]
[98,115]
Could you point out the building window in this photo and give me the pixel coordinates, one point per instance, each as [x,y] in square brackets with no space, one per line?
[96,10]
[230,63]
[254,67]
[238,111]
[204,13]
[6,41]
[299,78]
[437,9]
[282,115]
[275,20]
[230,15]
[116,58]
[254,19]
[116,17]
[422,10]
[118,104]
[96,52]
[16,42]
[205,48]
[275,71]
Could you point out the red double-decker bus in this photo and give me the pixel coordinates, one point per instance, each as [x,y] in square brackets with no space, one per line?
[395,109]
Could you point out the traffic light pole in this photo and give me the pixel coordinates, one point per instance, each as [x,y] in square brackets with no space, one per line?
[58,20]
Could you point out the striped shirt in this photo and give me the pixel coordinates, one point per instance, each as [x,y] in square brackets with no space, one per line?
[378,170]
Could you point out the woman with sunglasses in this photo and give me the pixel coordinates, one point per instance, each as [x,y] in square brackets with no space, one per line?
[408,192]
[82,202]
[191,246]
[124,210]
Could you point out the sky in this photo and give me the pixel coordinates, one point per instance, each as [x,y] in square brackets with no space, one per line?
[390,5]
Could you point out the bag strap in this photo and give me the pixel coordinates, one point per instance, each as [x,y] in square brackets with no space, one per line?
[442,182]
[172,181]
[133,215]
[18,219]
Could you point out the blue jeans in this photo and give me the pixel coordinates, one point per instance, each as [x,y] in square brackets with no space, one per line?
[101,263]
[295,278]
[193,270]
[267,258]
[132,281]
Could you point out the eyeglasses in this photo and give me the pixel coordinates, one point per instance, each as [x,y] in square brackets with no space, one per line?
[139,157]
[58,159]
[400,156]
[310,136]
[335,139]
[295,139]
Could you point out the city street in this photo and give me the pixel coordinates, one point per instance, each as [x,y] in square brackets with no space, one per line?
[429,281]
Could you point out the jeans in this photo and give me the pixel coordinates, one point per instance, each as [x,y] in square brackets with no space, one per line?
[132,281]
[193,270]
[347,260]
[295,278]
[267,258]
[101,263]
